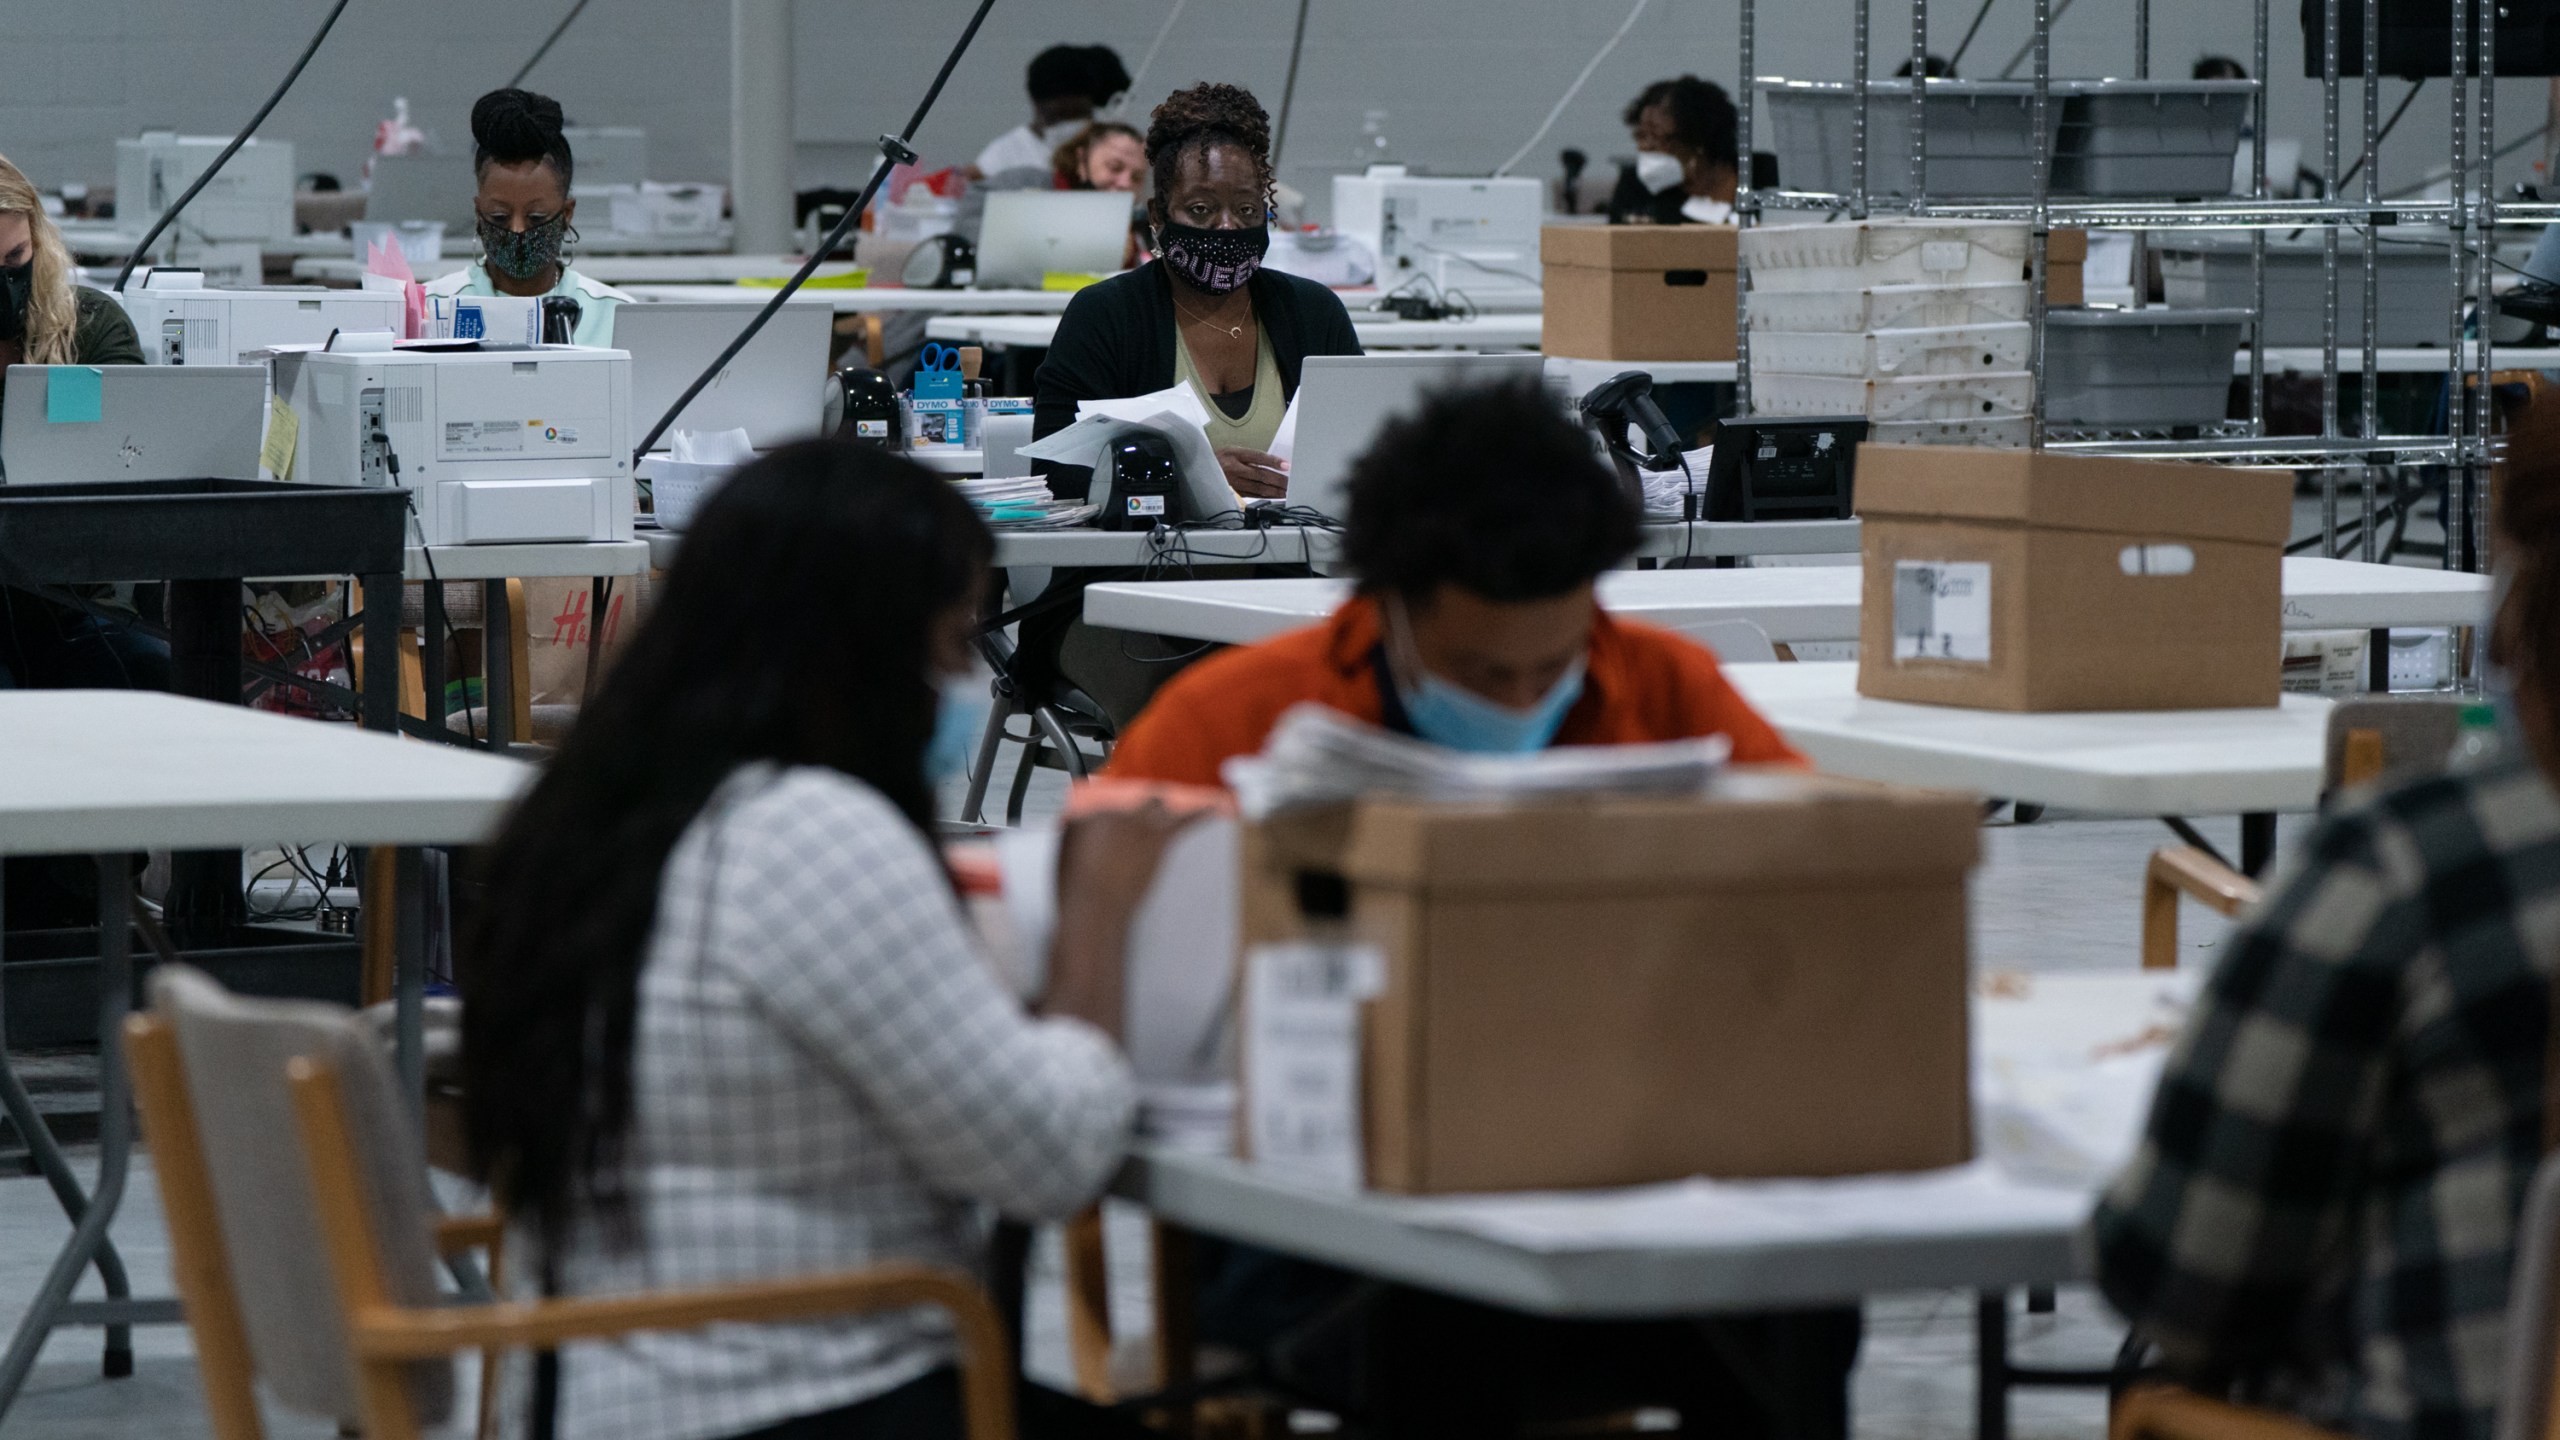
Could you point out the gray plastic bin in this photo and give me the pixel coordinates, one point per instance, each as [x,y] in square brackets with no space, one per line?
[1981,137]
[2213,270]
[2139,369]
[2150,139]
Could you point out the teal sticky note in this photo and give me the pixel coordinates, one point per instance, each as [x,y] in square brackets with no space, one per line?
[75,393]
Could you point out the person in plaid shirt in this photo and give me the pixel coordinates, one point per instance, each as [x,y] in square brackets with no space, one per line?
[2322,1212]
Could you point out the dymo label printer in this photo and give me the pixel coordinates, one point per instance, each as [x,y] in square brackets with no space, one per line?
[497,446]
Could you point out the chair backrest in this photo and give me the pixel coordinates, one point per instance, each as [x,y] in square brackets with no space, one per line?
[2533,1312]
[234,1051]
[2415,732]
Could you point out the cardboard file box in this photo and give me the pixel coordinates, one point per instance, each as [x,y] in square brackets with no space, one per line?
[2015,580]
[1766,981]
[1638,292]
[2066,260]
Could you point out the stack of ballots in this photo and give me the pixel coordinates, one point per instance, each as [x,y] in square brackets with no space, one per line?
[1319,756]
[1022,502]
[1921,326]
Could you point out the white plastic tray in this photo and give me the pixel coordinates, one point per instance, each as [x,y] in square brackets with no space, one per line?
[1994,396]
[2009,432]
[1854,255]
[1890,307]
[1938,350]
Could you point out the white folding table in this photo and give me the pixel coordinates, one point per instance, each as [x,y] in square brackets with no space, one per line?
[2169,763]
[1377,331]
[869,299]
[113,773]
[1698,1250]
[1790,604]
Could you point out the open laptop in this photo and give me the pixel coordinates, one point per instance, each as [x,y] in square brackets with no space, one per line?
[1029,233]
[132,422]
[775,389]
[1343,400]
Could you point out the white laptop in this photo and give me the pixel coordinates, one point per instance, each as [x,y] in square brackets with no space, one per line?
[1029,233]
[775,389]
[132,422]
[1343,401]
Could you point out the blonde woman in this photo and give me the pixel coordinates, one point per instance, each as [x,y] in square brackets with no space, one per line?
[48,318]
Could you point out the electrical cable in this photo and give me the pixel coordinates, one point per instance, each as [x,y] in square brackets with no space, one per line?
[1967,42]
[170,214]
[1152,47]
[548,41]
[895,150]
[1572,90]
[1289,87]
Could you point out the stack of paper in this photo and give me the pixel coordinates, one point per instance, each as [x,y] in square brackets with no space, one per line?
[1022,502]
[1320,756]
[1666,492]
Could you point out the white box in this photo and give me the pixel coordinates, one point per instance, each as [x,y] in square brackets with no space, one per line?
[182,323]
[496,446]
[1476,235]
[1994,396]
[655,209]
[1853,255]
[1941,350]
[1890,307]
[252,199]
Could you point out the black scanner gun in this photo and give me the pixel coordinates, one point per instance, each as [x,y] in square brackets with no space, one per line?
[1625,399]
[1143,488]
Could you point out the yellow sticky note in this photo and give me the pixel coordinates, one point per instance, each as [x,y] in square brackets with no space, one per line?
[283,429]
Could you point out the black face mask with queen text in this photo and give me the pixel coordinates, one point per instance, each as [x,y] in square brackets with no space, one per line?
[1217,261]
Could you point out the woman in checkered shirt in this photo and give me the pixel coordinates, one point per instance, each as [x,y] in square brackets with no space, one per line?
[2323,1210]
[724,1020]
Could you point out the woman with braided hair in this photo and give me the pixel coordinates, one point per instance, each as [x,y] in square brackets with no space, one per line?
[1204,312]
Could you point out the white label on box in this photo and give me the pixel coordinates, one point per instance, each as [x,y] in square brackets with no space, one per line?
[1302,1057]
[1942,611]
[486,437]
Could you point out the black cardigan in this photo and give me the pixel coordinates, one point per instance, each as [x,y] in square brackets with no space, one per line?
[1117,340]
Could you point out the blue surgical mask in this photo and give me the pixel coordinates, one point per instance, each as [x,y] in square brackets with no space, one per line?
[959,720]
[1454,716]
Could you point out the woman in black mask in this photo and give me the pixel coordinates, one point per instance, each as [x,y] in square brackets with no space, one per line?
[527,220]
[1204,312]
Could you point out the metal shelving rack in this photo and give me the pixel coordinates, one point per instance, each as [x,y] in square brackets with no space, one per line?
[2466,222]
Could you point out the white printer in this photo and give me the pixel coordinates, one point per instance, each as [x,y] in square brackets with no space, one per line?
[1478,235]
[503,445]
[181,322]
[252,199]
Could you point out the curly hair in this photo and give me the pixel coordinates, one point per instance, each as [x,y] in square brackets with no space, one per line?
[53,306]
[1488,488]
[1067,161]
[1209,114]
[1701,113]
[2525,634]
[516,127]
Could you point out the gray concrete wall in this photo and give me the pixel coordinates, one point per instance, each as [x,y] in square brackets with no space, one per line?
[1461,82]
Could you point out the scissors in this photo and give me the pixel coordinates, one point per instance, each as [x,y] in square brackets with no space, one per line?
[938,357]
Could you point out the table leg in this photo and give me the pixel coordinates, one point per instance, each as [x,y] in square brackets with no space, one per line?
[204,661]
[432,656]
[1991,1366]
[52,1306]
[2257,842]
[1177,1289]
[382,638]
[409,973]
[497,664]
[2377,662]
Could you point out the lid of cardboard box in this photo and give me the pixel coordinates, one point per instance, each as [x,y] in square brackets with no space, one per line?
[1638,247]
[2066,245]
[2075,492]
[1760,825]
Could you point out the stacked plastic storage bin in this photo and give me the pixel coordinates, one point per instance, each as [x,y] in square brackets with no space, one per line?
[1919,325]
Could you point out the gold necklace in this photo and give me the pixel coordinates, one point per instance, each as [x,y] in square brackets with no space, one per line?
[1234,332]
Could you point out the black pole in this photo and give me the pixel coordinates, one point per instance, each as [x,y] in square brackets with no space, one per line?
[894,151]
[1289,87]
[171,214]
[552,39]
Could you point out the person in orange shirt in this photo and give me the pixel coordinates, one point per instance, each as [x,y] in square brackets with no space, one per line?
[1478,528]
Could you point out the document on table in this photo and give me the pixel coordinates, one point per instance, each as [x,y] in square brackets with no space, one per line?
[1964,1200]
[1318,756]
[1175,414]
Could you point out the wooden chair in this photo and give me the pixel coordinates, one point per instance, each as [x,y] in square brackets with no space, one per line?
[298,1211]
[2171,1412]
[2368,740]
